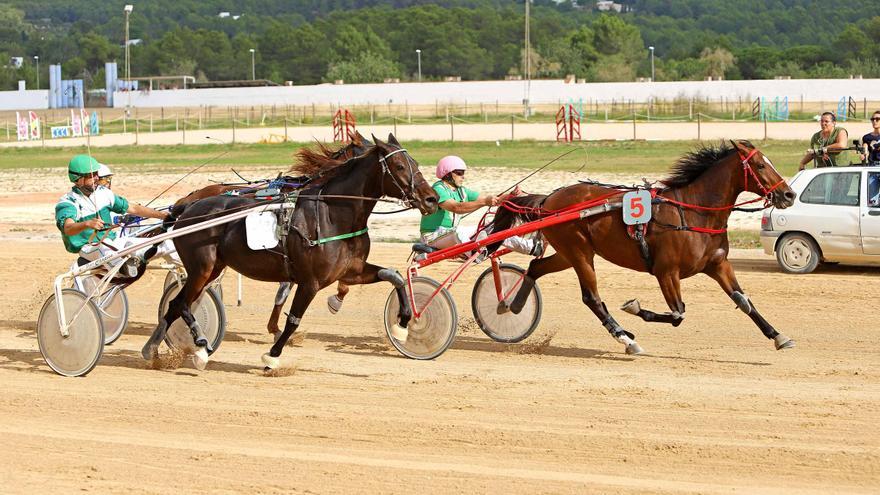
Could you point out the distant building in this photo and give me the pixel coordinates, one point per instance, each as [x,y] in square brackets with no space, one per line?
[223,15]
[608,6]
[16,62]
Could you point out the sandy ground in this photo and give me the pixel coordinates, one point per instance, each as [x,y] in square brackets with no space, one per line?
[711,407]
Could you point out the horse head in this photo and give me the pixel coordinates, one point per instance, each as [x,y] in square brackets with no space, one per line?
[761,177]
[401,177]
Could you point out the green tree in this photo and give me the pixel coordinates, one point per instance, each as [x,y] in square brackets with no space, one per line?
[368,67]
[717,62]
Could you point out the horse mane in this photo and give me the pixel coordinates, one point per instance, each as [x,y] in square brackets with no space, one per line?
[693,164]
[318,165]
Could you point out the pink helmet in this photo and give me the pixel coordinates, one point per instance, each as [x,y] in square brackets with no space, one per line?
[449,163]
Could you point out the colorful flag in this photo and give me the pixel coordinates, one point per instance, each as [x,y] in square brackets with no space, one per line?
[21,124]
[34,125]
[76,124]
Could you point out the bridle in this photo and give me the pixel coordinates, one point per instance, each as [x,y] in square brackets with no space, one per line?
[407,198]
[766,192]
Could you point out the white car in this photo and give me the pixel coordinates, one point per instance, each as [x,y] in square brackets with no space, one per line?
[835,218]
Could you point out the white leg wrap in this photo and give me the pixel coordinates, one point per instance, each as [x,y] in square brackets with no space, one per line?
[200,358]
[631,346]
[399,333]
[334,304]
[632,307]
[271,362]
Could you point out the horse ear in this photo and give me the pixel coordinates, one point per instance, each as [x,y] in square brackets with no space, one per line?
[738,145]
[393,140]
[376,140]
[357,139]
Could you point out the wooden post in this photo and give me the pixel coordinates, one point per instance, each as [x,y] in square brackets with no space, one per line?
[151,122]
[233,131]
[137,130]
[43,126]
[124,123]
[285,129]
[699,129]
[511,127]
[395,125]
[7,129]
[765,127]
[451,130]
[185,115]
[634,125]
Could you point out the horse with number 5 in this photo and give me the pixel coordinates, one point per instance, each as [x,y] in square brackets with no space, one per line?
[326,240]
[686,234]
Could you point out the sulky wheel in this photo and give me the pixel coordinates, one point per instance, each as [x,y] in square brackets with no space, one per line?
[208,311]
[79,352]
[178,276]
[434,331]
[112,305]
[506,327]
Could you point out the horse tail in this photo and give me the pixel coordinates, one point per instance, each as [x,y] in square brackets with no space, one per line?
[506,217]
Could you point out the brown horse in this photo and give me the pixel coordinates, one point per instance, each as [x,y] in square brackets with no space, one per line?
[686,235]
[311,164]
[325,241]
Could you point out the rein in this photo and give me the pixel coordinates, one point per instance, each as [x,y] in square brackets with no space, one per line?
[658,198]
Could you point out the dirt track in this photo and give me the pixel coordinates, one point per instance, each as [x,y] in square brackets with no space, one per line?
[711,408]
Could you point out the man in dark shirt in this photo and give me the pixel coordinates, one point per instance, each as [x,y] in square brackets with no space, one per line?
[871,142]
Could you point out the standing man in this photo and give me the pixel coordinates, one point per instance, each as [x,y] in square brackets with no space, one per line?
[86,209]
[826,144]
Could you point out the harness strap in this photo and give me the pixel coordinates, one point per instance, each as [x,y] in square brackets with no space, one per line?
[325,240]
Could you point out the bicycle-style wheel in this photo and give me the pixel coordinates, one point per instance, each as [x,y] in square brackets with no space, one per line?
[112,305]
[174,277]
[79,352]
[434,331]
[208,311]
[506,327]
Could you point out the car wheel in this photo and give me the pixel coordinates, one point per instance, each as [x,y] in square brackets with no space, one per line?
[798,253]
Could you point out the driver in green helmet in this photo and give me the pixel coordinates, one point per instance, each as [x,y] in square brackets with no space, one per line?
[86,208]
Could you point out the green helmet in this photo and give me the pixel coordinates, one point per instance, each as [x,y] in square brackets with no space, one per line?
[81,165]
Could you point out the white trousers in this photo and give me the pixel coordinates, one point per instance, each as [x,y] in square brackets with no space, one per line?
[444,237]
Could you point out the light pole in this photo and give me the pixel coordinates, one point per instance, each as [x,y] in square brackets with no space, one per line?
[128,8]
[37,60]
[652,62]
[253,65]
[419,56]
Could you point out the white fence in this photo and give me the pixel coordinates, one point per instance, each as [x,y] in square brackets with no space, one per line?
[503,92]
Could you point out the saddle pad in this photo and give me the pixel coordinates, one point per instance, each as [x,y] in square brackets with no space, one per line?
[262,230]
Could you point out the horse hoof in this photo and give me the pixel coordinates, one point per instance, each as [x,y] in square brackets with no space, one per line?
[502,308]
[149,352]
[200,358]
[271,362]
[334,304]
[632,307]
[399,333]
[634,349]
[783,342]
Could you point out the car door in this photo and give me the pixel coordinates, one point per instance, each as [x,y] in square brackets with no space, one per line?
[829,211]
[870,213]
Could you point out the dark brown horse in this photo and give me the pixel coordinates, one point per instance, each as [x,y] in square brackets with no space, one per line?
[686,236]
[311,164]
[336,206]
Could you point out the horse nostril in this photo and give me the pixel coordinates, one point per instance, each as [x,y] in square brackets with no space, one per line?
[790,195]
[431,200]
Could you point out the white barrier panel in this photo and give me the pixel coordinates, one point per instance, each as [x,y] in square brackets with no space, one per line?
[503,92]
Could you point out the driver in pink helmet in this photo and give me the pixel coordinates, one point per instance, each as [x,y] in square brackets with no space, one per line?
[441,229]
